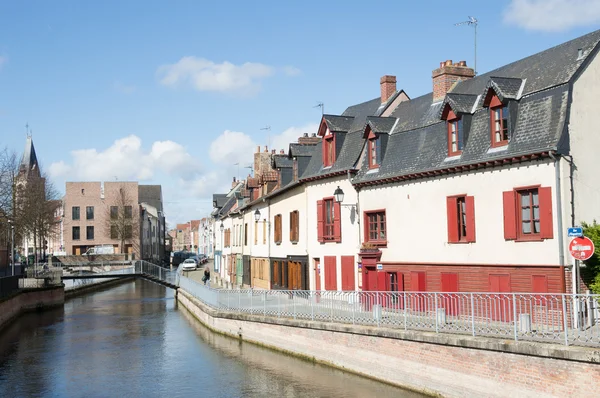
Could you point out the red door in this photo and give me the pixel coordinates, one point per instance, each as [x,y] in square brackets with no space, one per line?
[370,285]
[417,284]
[500,305]
[317,274]
[450,301]
[348,273]
[394,284]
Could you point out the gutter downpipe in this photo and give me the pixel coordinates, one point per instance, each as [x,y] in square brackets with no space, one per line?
[559,220]
[356,286]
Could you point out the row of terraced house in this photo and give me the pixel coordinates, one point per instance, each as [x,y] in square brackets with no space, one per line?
[467,188]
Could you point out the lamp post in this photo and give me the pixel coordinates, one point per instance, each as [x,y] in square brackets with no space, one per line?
[338,194]
[12,246]
[257,215]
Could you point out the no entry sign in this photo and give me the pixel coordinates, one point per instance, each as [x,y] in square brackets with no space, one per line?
[581,248]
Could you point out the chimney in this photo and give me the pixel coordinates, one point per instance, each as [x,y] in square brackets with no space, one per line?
[388,87]
[306,140]
[233,184]
[258,149]
[273,151]
[266,149]
[447,75]
[281,152]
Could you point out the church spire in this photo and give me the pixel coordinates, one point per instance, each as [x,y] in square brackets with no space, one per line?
[29,164]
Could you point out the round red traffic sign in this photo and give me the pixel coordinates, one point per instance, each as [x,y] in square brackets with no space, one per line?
[581,248]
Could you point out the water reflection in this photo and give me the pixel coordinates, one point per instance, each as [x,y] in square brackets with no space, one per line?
[133,341]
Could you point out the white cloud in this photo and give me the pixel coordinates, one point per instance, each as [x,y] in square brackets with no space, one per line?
[291,71]
[232,147]
[283,140]
[205,75]
[552,15]
[123,88]
[125,159]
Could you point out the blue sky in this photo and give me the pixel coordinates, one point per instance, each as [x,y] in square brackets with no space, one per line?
[176,92]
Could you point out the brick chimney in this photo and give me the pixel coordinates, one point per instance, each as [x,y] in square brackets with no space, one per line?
[306,140]
[233,183]
[281,151]
[447,75]
[388,87]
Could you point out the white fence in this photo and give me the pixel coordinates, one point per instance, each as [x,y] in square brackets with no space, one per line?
[558,318]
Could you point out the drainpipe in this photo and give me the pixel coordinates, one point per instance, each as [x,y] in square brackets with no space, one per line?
[561,243]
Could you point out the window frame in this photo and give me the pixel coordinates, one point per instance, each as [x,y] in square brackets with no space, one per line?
[89,228]
[461,219]
[331,225]
[277,220]
[128,212]
[497,105]
[294,226]
[246,234]
[89,210]
[374,142]
[329,149]
[522,236]
[73,211]
[457,123]
[367,222]
[78,229]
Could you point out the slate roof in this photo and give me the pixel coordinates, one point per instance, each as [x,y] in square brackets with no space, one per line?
[339,123]
[380,125]
[418,143]
[151,194]
[279,161]
[219,199]
[460,103]
[348,154]
[301,150]
[29,163]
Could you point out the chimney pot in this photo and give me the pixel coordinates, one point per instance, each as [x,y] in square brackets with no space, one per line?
[305,135]
[442,64]
[266,149]
[447,75]
[314,135]
[258,149]
[233,179]
[448,62]
[273,151]
[282,151]
[463,63]
[388,87]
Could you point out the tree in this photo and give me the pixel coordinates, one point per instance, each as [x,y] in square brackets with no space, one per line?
[122,223]
[591,272]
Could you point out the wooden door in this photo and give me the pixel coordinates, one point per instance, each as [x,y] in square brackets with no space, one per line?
[500,305]
[348,283]
[330,273]
[417,284]
[239,270]
[450,285]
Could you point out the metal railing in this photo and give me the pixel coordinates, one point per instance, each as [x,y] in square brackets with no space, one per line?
[558,318]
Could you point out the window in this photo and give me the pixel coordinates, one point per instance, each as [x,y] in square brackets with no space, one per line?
[264,228]
[375,227]
[328,149]
[294,226]
[89,233]
[89,213]
[128,212]
[256,232]
[499,122]
[246,234]
[461,219]
[455,137]
[374,151]
[528,214]
[76,233]
[278,229]
[128,232]
[114,234]
[329,221]
[114,213]
[75,213]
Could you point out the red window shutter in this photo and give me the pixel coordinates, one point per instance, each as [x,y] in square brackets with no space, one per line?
[546,225]
[347,273]
[510,215]
[320,221]
[337,222]
[539,284]
[452,220]
[470,202]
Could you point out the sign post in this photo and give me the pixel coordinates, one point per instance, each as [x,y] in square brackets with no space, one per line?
[581,248]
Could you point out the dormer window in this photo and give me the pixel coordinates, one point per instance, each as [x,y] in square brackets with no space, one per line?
[328,149]
[499,123]
[374,146]
[455,134]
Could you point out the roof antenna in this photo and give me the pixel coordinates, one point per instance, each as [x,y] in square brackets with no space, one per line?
[471,22]
[322,106]
[27,130]
[268,128]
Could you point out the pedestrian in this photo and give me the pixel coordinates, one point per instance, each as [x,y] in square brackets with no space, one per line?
[206,277]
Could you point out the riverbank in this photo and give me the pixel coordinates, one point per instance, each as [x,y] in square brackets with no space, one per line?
[25,300]
[447,365]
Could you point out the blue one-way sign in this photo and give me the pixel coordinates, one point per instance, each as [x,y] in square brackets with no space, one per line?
[575,232]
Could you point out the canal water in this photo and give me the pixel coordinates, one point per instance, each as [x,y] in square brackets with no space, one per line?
[133,341]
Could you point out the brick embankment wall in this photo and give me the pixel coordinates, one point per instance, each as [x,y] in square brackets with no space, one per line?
[30,300]
[446,365]
[105,284]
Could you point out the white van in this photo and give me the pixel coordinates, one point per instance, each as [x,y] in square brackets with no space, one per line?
[102,249]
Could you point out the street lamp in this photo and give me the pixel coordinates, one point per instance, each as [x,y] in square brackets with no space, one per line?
[12,246]
[339,195]
[222,227]
[256,215]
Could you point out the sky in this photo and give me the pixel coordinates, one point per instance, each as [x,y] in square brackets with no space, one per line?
[178,92]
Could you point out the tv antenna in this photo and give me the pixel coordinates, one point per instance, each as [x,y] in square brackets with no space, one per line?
[251,169]
[471,22]
[322,106]
[268,128]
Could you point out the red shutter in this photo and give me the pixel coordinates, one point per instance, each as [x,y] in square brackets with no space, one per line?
[510,215]
[348,273]
[539,284]
[452,220]
[320,221]
[546,225]
[337,222]
[470,202]
[330,273]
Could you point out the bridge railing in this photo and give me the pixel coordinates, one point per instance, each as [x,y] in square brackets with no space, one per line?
[558,318]
[8,285]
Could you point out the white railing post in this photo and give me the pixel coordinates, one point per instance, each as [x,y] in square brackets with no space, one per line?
[435,304]
[565,320]
[265,306]
[472,315]
[294,304]
[405,312]
[515,330]
[312,306]
[278,305]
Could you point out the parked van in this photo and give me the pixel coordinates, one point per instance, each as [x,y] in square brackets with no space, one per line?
[179,257]
[102,249]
